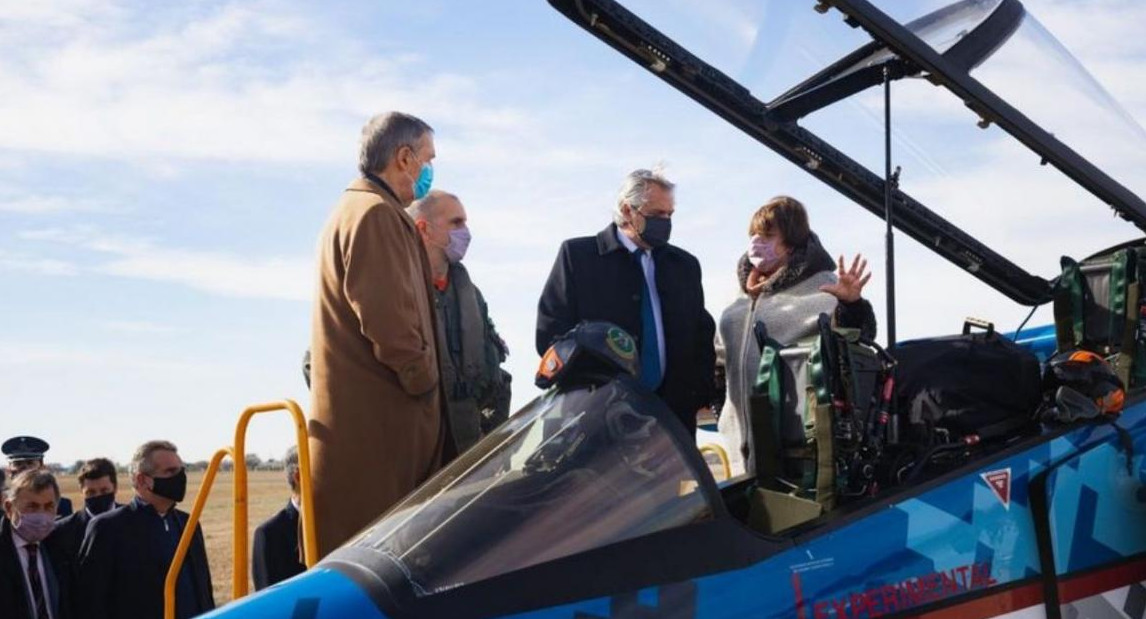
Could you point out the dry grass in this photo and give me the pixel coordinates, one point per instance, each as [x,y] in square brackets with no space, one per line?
[268,493]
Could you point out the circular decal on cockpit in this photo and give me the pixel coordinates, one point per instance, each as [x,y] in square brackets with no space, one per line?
[620,343]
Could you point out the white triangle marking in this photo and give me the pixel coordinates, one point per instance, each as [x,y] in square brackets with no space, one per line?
[999,481]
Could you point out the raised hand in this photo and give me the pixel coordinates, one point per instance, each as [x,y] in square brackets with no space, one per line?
[849,286]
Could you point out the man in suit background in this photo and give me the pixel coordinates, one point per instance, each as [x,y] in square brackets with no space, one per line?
[26,453]
[630,275]
[276,553]
[126,552]
[33,584]
[98,486]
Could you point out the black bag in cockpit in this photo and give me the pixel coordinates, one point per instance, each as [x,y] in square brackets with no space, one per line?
[969,387]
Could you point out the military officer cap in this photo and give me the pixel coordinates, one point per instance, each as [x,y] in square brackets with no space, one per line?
[20,448]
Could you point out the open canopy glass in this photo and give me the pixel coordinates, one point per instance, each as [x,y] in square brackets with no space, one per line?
[993,118]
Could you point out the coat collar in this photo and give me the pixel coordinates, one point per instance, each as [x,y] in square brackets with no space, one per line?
[379,187]
[5,529]
[139,506]
[607,241]
[8,549]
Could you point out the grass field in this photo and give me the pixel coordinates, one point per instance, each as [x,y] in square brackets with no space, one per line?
[268,493]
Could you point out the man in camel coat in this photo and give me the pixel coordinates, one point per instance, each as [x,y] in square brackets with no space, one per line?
[377,427]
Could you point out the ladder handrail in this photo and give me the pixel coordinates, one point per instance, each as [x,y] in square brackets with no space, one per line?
[241,562]
[189,531]
[239,523]
[721,454]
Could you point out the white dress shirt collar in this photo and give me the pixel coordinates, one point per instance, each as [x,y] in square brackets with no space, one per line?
[626,241]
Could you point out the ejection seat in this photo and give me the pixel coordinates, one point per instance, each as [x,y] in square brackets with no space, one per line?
[817,418]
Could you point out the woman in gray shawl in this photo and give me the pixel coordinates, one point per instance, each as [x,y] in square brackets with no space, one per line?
[786,281]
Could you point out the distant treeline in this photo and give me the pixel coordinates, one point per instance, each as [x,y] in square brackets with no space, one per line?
[254,462]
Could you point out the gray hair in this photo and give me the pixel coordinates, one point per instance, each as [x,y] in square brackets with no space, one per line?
[383,135]
[635,190]
[290,465]
[35,480]
[141,460]
[428,206]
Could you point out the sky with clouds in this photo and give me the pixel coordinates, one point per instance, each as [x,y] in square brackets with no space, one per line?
[165,169]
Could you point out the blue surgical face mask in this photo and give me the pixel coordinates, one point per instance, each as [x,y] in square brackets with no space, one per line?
[424,181]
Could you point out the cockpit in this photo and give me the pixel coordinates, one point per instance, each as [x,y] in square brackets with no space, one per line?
[573,471]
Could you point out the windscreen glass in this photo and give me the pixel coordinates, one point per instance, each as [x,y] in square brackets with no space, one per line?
[569,473]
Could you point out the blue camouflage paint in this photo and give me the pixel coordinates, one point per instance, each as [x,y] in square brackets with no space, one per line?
[320,593]
[1090,495]
[954,539]
[1039,340]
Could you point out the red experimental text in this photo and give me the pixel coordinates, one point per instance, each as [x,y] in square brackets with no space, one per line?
[890,598]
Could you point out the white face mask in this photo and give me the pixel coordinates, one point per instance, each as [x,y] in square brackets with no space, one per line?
[762,253]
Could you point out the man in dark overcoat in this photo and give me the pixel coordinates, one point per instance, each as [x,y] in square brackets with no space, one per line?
[98,486]
[630,275]
[276,555]
[34,580]
[127,551]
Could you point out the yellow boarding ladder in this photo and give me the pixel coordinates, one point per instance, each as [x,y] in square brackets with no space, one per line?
[238,454]
[722,457]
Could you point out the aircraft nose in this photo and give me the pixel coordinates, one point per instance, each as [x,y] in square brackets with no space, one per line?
[320,593]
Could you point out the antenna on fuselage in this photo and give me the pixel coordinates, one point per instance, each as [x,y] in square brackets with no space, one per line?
[890,184]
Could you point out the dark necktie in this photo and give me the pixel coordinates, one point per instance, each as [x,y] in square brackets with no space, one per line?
[650,348]
[39,601]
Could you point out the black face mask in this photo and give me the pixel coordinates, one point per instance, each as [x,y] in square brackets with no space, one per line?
[657,231]
[99,504]
[174,487]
